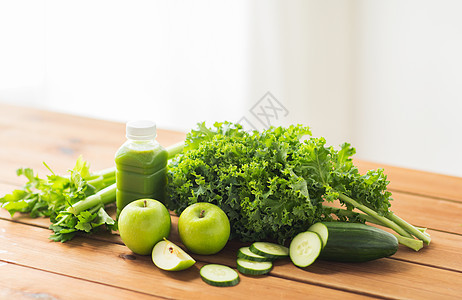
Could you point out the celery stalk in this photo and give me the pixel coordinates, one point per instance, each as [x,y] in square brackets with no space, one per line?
[104,196]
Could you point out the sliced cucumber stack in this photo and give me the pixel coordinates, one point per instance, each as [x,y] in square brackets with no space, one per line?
[219,275]
[305,248]
[245,253]
[269,250]
[249,267]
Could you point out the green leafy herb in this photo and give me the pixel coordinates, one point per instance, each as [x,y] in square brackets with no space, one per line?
[74,203]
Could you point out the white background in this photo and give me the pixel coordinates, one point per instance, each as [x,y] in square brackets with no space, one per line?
[385,76]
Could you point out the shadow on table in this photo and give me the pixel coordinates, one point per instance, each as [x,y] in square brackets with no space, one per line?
[383,266]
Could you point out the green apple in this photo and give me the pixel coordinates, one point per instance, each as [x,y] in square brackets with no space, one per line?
[142,224]
[204,228]
[168,256]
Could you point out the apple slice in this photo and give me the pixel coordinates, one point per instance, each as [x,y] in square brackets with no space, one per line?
[168,256]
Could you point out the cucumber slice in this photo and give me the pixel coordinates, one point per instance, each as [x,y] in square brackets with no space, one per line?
[269,250]
[245,252]
[219,275]
[322,230]
[305,248]
[250,267]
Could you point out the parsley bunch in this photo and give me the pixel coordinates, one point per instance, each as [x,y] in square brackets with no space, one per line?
[275,184]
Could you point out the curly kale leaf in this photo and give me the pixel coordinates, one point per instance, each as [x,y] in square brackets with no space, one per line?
[251,176]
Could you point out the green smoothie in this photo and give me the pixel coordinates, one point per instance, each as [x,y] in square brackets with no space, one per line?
[141,170]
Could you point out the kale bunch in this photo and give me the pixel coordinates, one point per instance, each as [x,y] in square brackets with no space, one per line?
[275,183]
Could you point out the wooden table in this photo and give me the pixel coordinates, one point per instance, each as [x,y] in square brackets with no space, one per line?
[101,267]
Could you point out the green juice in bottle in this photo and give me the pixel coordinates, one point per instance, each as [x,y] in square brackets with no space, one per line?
[141,165]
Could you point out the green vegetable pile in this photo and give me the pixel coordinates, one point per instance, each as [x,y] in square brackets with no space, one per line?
[74,203]
[272,185]
[275,184]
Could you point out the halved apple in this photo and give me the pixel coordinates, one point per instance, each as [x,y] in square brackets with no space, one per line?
[168,256]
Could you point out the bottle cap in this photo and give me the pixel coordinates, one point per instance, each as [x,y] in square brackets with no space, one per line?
[141,130]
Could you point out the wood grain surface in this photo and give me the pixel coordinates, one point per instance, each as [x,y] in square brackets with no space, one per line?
[99,266]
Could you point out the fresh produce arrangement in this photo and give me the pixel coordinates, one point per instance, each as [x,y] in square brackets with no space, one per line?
[271,189]
[276,183]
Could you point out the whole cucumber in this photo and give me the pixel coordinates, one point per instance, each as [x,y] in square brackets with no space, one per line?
[354,242]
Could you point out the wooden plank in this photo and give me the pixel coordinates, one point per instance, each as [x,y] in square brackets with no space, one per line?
[383,277]
[445,256]
[112,264]
[67,136]
[441,258]
[19,282]
[411,207]
[414,209]
[30,136]
[418,182]
[389,278]
[75,128]
[443,251]
[428,212]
